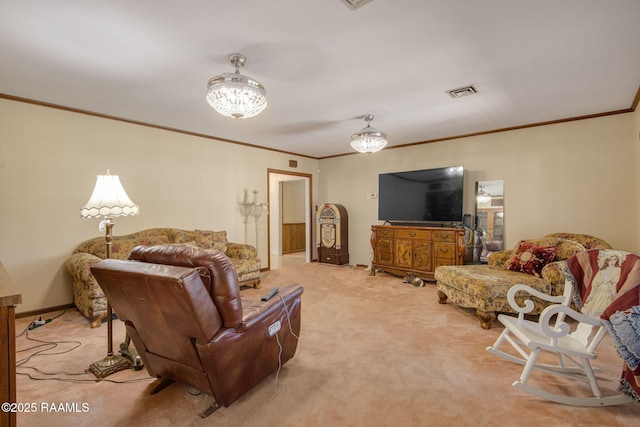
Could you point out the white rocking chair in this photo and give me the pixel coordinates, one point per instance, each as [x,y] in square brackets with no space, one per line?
[574,349]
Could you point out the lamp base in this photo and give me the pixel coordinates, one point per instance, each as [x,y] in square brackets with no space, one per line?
[109,365]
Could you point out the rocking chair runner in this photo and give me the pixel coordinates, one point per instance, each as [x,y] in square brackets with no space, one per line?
[574,348]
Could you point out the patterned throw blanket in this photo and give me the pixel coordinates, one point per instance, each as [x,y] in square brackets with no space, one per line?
[606,283]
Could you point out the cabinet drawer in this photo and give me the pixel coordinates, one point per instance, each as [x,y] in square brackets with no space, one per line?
[444,236]
[444,251]
[329,258]
[337,259]
[384,232]
[413,234]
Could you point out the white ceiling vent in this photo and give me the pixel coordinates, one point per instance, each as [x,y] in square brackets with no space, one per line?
[355,4]
[462,91]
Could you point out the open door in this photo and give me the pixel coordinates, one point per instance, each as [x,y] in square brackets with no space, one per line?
[274,228]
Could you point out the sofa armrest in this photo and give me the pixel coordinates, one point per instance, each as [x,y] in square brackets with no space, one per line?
[241,251]
[500,258]
[554,273]
[79,267]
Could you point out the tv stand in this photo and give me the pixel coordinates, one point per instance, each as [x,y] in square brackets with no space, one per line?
[415,250]
[434,224]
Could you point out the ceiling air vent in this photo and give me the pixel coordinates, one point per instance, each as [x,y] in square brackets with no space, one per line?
[355,4]
[462,91]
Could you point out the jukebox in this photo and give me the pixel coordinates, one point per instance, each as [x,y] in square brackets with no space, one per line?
[332,233]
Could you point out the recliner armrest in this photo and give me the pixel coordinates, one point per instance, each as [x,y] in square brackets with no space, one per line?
[238,358]
[255,310]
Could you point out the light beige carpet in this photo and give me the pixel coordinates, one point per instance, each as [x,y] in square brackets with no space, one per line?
[373,352]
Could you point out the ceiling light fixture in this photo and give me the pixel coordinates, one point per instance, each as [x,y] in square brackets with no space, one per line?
[235,95]
[368,140]
[483,197]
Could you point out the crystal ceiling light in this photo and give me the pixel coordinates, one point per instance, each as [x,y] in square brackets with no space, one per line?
[368,140]
[483,197]
[235,95]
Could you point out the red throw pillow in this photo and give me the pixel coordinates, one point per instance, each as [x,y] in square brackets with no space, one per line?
[530,258]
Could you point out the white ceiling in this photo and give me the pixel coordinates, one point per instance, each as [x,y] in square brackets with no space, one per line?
[324,65]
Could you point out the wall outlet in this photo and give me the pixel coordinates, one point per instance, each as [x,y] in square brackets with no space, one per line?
[274,328]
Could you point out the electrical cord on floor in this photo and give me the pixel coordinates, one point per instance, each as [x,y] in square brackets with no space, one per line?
[39,322]
[44,348]
[279,364]
[44,345]
[74,380]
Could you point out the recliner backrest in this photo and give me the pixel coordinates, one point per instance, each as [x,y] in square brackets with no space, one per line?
[224,280]
[166,306]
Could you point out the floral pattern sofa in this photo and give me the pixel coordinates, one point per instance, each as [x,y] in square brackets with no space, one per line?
[87,294]
[484,287]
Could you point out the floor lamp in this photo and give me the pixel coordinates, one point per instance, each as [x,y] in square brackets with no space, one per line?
[108,200]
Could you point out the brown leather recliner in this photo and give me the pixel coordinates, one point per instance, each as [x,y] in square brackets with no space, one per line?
[182,309]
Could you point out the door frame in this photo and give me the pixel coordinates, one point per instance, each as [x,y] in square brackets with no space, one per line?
[273,173]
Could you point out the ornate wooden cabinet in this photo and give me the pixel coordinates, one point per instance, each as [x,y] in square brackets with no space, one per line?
[415,250]
[9,297]
[332,231]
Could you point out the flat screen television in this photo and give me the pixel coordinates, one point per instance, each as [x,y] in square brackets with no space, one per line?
[428,195]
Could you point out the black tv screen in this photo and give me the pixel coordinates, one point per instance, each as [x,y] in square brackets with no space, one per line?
[428,195]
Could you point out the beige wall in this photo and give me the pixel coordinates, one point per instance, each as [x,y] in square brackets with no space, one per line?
[293,208]
[577,176]
[574,177]
[49,160]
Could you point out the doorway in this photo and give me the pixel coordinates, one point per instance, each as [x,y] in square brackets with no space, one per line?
[276,178]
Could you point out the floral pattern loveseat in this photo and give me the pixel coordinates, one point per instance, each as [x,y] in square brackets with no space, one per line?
[87,294]
[484,287]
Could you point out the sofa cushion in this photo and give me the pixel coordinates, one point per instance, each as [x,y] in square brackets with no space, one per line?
[216,240]
[589,242]
[122,245]
[181,236]
[530,258]
[565,249]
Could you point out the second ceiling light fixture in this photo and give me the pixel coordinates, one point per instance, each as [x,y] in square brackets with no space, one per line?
[368,140]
